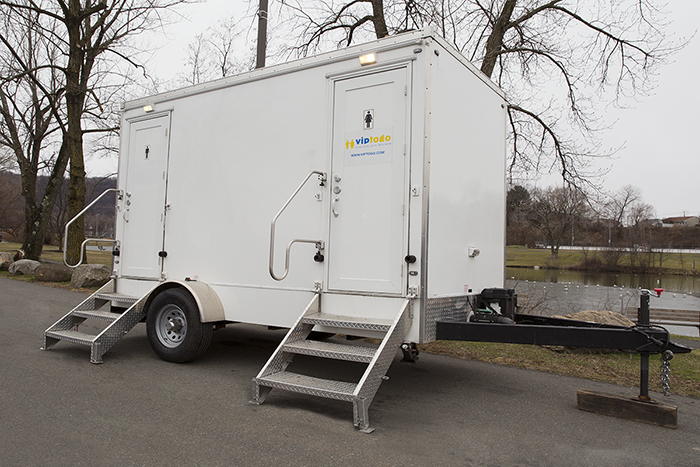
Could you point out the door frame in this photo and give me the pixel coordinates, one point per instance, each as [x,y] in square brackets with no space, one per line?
[333,79]
[124,172]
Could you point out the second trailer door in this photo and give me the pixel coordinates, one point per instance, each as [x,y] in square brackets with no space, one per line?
[368,211]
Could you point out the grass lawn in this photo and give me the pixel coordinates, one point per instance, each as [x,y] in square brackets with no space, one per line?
[615,368]
[520,256]
[52,253]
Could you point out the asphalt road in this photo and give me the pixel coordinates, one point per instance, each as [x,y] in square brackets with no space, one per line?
[136,410]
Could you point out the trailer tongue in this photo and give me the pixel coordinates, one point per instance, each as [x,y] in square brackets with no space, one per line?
[486,324]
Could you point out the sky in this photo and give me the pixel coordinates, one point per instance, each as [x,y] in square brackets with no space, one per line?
[661,153]
[657,135]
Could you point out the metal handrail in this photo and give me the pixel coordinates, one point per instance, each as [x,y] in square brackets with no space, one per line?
[319,243]
[82,246]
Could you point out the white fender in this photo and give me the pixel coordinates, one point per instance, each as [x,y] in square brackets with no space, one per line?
[208,302]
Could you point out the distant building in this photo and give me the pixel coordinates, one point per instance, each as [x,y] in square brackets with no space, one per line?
[685,221]
[652,223]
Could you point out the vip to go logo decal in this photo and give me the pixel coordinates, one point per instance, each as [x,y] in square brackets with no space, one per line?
[350,143]
[374,147]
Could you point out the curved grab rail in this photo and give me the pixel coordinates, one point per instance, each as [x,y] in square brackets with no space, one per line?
[319,243]
[82,246]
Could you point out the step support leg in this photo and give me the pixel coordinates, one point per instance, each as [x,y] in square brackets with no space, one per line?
[49,342]
[361,415]
[259,393]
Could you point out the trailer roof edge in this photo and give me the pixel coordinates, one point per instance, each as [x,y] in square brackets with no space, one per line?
[380,45]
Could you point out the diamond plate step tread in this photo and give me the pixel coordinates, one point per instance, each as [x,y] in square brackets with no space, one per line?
[310,385]
[353,353]
[75,337]
[116,297]
[97,314]
[348,322]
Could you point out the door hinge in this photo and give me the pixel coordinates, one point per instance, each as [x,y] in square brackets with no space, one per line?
[405,90]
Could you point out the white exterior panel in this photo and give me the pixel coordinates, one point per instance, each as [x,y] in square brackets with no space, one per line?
[239,147]
[466,179]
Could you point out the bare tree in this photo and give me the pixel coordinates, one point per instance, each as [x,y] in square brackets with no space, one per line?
[223,39]
[554,211]
[620,203]
[87,33]
[214,54]
[196,61]
[30,120]
[553,58]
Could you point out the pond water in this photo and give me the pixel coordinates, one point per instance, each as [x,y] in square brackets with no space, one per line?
[552,292]
[670,283]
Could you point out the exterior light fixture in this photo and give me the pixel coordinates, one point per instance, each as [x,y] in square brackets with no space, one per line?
[148,108]
[368,59]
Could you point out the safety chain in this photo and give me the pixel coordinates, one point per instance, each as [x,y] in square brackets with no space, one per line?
[666,357]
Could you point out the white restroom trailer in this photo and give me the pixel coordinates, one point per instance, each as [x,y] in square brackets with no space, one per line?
[394,151]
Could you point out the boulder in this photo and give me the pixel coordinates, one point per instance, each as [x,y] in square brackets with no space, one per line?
[23,266]
[50,272]
[5,261]
[19,255]
[90,275]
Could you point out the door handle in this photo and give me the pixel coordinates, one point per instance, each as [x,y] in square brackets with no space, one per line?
[335,204]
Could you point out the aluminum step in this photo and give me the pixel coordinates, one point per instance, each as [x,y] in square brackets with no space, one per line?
[310,385]
[116,297]
[97,314]
[274,375]
[119,323]
[76,337]
[352,353]
[347,322]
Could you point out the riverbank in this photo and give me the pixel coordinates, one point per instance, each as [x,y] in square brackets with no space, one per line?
[672,263]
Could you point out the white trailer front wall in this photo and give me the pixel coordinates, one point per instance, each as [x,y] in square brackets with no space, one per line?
[465,147]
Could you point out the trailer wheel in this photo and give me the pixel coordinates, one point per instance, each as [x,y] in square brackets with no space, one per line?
[174,329]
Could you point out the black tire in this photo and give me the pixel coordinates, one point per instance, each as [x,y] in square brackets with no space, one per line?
[173,327]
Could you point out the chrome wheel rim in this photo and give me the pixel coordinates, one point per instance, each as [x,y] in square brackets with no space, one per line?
[171,326]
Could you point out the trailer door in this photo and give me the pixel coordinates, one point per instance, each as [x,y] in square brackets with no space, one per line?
[144,203]
[368,195]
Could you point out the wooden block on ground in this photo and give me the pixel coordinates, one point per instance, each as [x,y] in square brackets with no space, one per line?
[656,413]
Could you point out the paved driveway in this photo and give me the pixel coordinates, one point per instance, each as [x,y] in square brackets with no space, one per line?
[136,410]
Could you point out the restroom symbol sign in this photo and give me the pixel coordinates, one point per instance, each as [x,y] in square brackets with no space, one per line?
[368,119]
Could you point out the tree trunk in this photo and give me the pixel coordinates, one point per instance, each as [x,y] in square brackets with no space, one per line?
[494,44]
[76,192]
[379,21]
[76,73]
[37,218]
[555,251]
